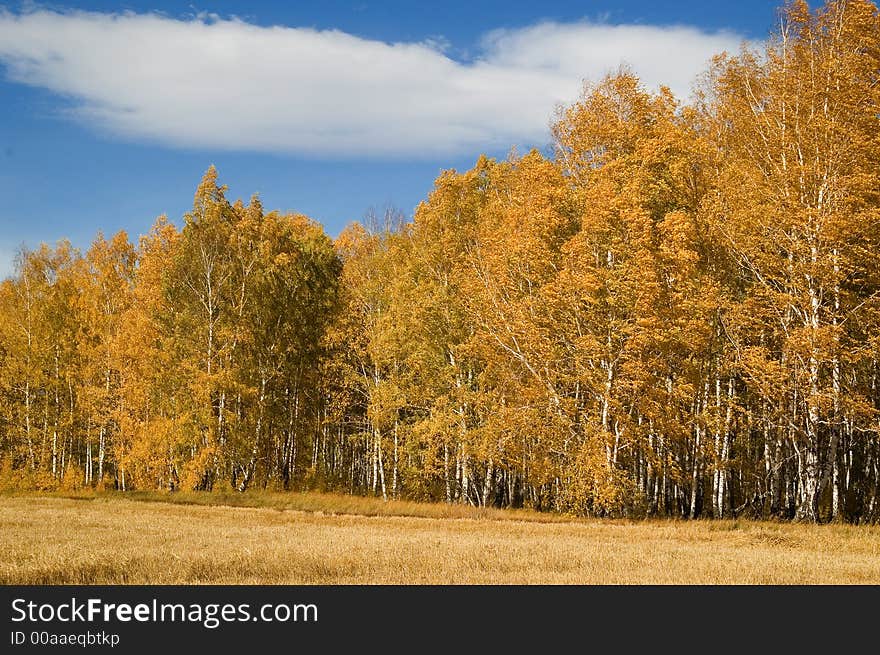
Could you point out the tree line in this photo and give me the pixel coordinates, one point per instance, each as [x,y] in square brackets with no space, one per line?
[677,313]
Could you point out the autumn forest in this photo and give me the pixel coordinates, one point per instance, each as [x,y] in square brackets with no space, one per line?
[675,311]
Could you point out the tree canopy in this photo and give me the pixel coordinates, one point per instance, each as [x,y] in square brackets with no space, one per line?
[675,314]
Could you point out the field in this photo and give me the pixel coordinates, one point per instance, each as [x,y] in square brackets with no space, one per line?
[326,539]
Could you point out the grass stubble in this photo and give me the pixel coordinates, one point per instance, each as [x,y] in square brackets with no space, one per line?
[294,538]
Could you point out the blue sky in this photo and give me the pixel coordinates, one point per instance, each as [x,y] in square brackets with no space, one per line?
[110,113]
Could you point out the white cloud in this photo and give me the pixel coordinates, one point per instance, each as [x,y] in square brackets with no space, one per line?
[216,83]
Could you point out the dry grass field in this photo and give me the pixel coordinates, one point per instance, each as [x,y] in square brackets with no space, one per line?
[325,539]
